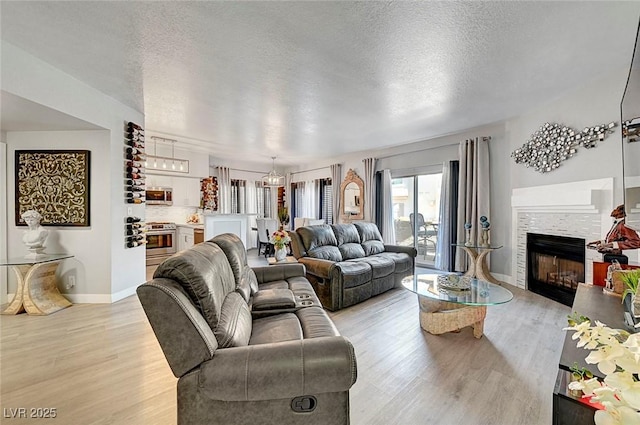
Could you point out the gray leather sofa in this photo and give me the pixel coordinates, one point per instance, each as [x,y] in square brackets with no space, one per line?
[249,346]
[349,263]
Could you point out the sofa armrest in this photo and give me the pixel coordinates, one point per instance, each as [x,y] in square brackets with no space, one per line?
[317,267]
[411,251]
[280,370]
[266,274]
[184,335]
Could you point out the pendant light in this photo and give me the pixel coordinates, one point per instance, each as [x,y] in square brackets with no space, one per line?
[273,179]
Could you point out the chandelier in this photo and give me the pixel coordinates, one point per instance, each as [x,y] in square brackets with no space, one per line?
[273,179]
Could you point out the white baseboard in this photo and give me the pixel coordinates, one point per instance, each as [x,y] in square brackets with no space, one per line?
[95,298]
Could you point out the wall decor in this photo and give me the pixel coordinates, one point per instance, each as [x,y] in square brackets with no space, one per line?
[554,143]
[54,183]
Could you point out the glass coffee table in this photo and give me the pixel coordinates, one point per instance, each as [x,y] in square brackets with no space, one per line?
[449,303]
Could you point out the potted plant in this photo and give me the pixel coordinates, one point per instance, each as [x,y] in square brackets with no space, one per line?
[630,279]
[283,216]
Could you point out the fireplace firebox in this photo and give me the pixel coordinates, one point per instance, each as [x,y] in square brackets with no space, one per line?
[555,266]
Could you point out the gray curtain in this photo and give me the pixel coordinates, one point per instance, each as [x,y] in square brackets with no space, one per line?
[224,182]
[369,192]
[388,226]
[336,181]
[473,192]
[443,250]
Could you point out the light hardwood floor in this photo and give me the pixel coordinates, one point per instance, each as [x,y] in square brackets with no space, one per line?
[101,364]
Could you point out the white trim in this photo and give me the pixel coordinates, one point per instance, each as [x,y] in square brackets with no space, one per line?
[123,294]
[96,298]
[585,205]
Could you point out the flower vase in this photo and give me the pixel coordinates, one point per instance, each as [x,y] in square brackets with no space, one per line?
[280,254]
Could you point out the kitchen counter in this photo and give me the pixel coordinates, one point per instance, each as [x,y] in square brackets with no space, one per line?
[191,225]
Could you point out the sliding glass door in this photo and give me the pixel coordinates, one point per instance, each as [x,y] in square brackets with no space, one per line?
[416,207]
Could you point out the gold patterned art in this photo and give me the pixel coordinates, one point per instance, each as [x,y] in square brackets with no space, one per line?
[56,184]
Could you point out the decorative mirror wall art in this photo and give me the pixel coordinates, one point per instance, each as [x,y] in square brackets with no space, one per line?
[55,183]
[554,143]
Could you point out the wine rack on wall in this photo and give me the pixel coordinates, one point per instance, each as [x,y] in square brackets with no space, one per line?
[134,182]
[134,232]
[135,158]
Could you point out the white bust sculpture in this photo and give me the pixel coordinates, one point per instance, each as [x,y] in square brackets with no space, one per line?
[35,236]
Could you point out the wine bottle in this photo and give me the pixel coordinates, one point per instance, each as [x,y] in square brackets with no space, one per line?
[134,201]
[137,225]
[133,151]
[136,157]
[135,189]
[135,182]
[134,143]
[133,219]
[133,232]
[134,170]
[134,126]
[132,244]
[136,176]
[136,164]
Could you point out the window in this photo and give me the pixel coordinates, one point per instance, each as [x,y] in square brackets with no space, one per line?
[238,196]
[313,199]
[263,195]
[326,201]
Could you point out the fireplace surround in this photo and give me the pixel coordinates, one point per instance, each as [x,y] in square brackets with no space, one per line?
[555,266]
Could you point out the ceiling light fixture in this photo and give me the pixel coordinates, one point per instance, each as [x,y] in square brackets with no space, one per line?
[273,179]
[178,165]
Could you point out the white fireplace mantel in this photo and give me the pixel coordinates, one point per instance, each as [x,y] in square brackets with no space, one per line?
[576,209]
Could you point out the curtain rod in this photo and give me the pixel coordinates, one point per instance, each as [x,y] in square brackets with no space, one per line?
[486,138]
[313,169]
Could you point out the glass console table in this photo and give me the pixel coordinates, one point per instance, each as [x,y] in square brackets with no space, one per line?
[446,309]
[478,261]
[37,292]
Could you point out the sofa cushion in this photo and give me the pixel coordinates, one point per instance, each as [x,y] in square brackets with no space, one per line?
[316,323]
[234,327]
[325,253]
[368,231]
[246,282]
[317,236]
[380,266]
[351,250]
[278,328]
[206,276]
[370,238]
[346,233]
[403,262]
[372,247]
[353,273]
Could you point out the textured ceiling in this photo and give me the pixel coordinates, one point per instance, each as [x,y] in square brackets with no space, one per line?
[303,80]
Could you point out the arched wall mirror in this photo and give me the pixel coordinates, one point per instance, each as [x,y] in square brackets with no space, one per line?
[352,197]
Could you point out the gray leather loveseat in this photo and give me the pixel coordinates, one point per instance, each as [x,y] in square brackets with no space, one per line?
[249,346]
[349,263]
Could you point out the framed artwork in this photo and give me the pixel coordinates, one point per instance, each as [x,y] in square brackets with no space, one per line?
[56,184]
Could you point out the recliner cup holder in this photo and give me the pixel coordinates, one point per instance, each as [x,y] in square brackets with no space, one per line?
[306,303]
[304,296]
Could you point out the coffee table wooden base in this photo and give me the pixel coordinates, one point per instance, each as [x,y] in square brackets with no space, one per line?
[438,317]
[37,292]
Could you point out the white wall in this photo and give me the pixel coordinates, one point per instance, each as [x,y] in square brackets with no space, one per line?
[30,78]
[3,216]
[92,272]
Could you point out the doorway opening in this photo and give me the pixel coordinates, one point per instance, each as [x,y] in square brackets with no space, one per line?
[416,214]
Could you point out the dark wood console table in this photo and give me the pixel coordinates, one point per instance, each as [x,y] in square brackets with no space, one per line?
[590,301]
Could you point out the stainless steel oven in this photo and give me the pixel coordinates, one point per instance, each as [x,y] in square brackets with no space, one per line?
[161,242]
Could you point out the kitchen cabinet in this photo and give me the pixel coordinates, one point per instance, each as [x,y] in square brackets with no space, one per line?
[185,237]
[186,192]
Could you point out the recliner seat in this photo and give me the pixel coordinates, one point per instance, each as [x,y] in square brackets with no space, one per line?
[238,365]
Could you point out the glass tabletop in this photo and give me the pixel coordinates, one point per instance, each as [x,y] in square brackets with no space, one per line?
[477,246]
[40,258]
[464,290]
